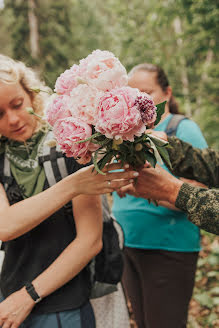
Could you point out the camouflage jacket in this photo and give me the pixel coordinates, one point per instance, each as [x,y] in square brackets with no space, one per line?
[202,205]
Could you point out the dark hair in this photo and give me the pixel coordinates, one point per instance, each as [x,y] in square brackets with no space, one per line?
[162,80]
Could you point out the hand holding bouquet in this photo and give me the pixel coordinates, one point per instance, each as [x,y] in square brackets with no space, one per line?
[95,114]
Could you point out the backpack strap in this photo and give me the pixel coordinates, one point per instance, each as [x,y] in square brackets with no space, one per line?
[55,169]
[53,162]
[106,209]
[173,124]
[7,177]
[107,216]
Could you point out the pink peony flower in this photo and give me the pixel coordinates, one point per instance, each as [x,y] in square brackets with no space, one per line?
[103,70]
[84,103]
[118,117]
[57,108]
[70,130]
[147,108]
[67,81]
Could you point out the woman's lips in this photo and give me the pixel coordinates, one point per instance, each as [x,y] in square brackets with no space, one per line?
[20,130]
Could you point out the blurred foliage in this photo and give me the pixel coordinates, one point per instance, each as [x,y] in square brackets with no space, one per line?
[179,35]
[204,307]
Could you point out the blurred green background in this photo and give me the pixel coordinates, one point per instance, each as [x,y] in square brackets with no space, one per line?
[179,35]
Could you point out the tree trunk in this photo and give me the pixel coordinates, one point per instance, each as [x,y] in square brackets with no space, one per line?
[184,76]
[204,76]
[34,33]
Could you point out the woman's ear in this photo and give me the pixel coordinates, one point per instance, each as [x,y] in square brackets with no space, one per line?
[169,93]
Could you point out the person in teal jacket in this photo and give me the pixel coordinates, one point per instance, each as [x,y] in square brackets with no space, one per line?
[161,244]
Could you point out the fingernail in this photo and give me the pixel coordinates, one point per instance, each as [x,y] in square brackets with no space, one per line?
[135,174]
[131,180]
[126,166]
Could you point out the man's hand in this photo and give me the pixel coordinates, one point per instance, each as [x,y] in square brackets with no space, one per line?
[157,184]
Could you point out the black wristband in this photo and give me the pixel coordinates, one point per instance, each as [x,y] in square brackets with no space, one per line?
[32,292]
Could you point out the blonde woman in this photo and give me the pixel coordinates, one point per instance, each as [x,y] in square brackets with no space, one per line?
[44,280]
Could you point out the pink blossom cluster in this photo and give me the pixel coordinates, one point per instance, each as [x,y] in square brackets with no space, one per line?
[94,97]
[146,108]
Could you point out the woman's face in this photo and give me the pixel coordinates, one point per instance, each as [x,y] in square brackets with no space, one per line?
[147,82]
[15,122]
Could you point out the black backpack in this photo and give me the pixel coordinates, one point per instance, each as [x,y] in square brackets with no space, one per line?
[107,267]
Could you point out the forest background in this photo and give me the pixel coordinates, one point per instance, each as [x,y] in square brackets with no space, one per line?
[179,35]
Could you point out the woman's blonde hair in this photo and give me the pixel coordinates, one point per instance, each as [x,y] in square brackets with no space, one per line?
[12,71]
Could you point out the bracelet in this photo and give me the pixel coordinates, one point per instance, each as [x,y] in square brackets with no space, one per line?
[32,292]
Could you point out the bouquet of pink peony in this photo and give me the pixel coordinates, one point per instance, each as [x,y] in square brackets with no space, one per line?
[95,114]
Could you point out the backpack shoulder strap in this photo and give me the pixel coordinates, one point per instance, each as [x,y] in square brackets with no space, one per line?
[7,177]
[105,208]
[53,161]
[173,124]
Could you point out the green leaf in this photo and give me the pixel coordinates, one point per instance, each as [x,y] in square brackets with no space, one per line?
[213,260]
[211,318]
[101,142]
[151,158]
[157,141]
[164,154]
[214,290]
[106,159]
[90,138]
[204,299]
[95,163]
[216,301]
[160,110]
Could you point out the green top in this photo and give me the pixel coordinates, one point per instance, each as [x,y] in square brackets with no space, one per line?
[201,204]
[24,164]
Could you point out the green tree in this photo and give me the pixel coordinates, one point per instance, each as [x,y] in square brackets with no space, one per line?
[178,35]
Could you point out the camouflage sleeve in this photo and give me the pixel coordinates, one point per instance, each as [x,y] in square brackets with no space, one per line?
[193,163]
[202,206]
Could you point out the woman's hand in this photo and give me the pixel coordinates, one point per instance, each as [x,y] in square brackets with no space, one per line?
[129,189]
[15,309]
[88,181]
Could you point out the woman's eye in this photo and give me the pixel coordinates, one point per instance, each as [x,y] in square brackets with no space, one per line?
[148,92]
[18,105]
[1,114]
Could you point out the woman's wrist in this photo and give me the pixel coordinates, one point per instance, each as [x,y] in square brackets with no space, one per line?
[67,188]
[27,299]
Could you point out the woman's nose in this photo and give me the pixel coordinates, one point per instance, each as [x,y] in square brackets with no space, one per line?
[13,118]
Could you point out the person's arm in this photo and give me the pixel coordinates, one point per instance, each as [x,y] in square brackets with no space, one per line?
[23,216]
[202,206]
[88,243]
[193,163]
